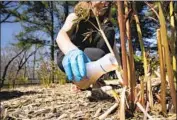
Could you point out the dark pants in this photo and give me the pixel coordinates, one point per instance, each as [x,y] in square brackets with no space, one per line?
[93,53]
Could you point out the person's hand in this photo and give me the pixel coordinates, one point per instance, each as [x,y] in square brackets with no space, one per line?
[74,64]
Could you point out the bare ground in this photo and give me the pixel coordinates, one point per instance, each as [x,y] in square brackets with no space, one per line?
[60,102]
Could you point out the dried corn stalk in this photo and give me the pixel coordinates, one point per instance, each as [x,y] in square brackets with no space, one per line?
[168,61]
[162,72]
[144,61]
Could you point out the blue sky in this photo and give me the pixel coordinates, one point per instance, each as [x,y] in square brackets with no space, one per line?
[8,31]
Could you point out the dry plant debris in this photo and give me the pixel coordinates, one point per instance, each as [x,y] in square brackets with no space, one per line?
[59,102]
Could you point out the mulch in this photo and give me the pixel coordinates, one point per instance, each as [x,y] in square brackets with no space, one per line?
[60,102]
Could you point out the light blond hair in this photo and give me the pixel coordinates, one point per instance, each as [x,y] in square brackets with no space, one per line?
[83,9]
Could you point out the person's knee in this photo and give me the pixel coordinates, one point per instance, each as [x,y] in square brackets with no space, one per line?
[94,53]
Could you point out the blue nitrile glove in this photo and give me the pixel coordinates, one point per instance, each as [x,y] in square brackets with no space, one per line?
[74,64]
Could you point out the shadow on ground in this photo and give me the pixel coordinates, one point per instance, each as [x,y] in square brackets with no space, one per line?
[6,95]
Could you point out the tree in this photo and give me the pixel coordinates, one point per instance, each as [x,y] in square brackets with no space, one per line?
[41,22]
[22,61]
[9,11]
[6,67]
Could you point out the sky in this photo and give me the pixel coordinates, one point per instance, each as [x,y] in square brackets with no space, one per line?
[8,32]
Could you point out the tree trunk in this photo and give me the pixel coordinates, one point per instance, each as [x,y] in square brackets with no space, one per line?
[66,9]
[34,64]
[52,38]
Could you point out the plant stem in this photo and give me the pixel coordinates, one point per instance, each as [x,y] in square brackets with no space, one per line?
[162,73]
[168,61]
[108,45]
[121,20]
[131,64]
[144,59]
[173,38]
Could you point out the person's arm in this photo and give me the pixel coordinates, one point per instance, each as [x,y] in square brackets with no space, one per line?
[74,61]
[63,39]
